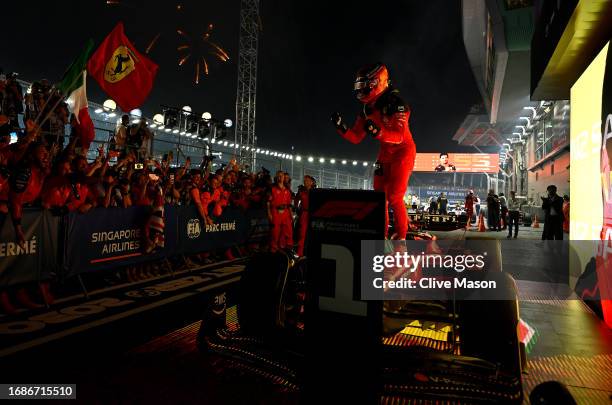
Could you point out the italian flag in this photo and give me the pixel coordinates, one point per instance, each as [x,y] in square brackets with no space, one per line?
[73,85]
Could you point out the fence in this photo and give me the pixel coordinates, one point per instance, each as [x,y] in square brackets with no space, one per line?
[108,238]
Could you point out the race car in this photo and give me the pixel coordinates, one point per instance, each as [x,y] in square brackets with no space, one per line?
[432,350]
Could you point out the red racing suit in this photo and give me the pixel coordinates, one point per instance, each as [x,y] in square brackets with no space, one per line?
[281,234]
[397,152]
[301,201]
[469,207]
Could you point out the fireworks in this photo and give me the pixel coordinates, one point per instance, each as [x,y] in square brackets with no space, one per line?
[200,48]
[194,51]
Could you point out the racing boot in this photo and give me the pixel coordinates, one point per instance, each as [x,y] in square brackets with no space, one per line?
[24,299]
[45,291]
[5,302]
[229,255]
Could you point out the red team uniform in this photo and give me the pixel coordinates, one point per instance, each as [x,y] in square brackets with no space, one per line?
[301,201]
[282,221]
[384,117]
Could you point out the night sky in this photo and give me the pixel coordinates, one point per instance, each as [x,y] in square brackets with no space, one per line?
[309,52]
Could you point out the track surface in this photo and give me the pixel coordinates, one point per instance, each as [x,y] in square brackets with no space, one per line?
[170,368]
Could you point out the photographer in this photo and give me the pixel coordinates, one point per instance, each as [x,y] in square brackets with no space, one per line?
[553,220]
[137,136]
[121,135]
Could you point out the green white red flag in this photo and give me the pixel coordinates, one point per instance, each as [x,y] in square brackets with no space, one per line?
[74,85]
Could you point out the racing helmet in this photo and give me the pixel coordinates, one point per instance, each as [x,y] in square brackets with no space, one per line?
[371,82]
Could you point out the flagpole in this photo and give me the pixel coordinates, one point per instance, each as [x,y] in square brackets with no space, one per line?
[61,99]
[51,94]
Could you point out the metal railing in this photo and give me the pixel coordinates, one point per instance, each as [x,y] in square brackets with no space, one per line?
[164,141]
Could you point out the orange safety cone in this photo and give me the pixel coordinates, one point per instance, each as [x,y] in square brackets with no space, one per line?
[535,224]
[481,225]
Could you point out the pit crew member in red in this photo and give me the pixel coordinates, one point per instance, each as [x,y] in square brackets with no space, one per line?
[279,214]
[301,206]
[385,118]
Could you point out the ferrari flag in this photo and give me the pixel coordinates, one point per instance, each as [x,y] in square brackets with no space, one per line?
[123,73]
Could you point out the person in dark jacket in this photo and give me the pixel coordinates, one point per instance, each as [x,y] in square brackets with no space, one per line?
[553,218]
[493,211]
[442,204]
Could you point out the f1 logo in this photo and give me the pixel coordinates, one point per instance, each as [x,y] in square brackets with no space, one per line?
[357,210]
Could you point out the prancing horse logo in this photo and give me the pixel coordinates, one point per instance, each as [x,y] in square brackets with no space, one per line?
[121,63]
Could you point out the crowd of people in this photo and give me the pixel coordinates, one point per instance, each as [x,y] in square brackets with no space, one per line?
[40,169]
[42,166]
[504,213]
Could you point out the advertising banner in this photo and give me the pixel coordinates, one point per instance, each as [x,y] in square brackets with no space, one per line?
[590,179]
[106,238]
[195,236]
[259,226]
[38,257]
[457,162]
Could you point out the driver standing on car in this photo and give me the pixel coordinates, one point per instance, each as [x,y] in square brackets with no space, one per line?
[384,117]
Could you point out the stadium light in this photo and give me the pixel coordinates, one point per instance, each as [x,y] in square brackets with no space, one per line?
[365,164]
[136,112]
[98,110]
[533,110]
[207,116]
[228,123]
[354,163]
[109,105]
[332,161]
[344,162]
[176,131]
[158,119]
[310,159]
[167,130]
[186,110]
[321,160]
[526,119]
[298,158]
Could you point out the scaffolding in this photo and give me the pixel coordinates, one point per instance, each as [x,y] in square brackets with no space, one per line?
[250,24]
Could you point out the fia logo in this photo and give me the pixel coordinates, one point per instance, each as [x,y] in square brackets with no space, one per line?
[193,228]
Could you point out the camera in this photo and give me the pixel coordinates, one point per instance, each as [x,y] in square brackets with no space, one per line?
[138,166]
